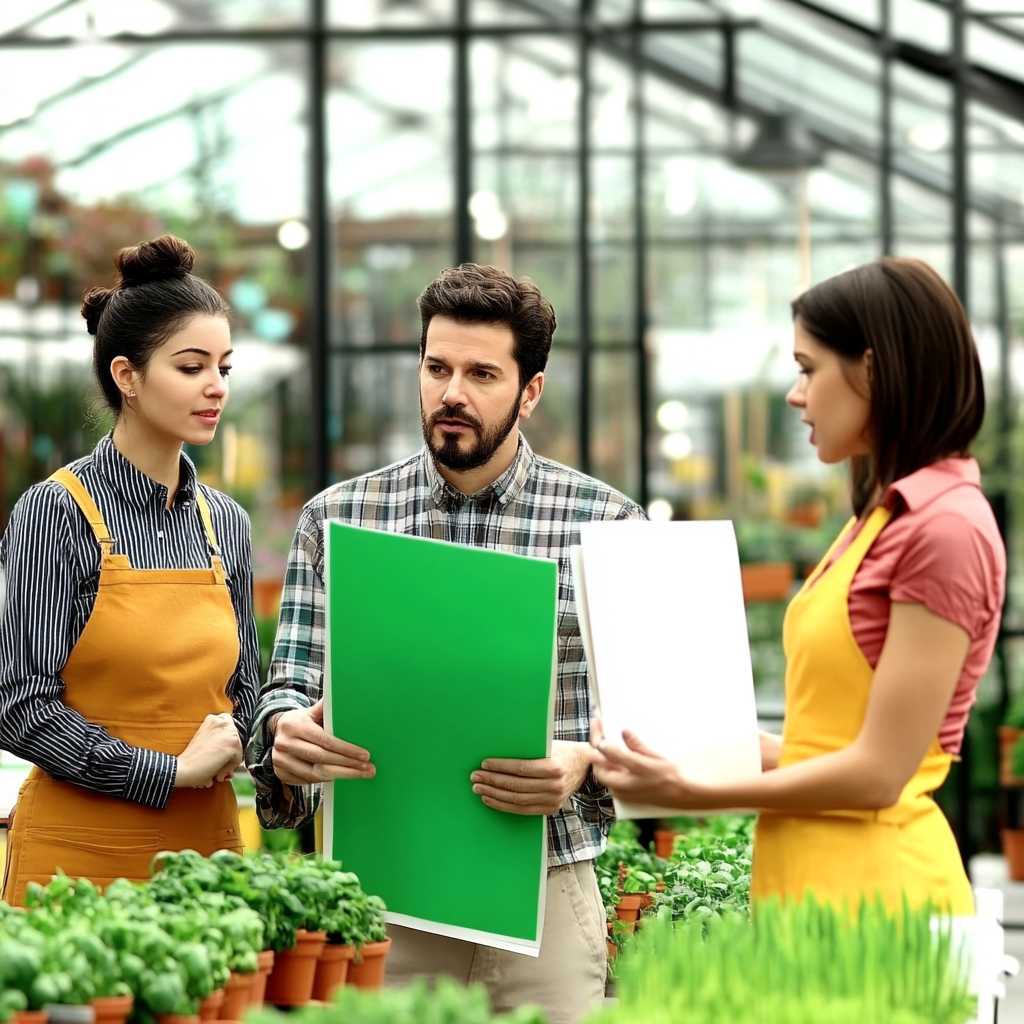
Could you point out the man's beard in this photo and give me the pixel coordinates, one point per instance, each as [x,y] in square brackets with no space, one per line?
[487,441]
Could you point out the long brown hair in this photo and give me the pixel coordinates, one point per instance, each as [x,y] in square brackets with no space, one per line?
[927,393]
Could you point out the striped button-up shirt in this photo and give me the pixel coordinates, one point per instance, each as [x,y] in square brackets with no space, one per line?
[49,574]
[535,508]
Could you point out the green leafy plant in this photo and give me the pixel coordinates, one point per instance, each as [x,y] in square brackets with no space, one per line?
[1015,714]
[708,874]
[446,1003]
[1017,757]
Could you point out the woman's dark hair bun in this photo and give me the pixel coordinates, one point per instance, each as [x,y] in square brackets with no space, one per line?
[94,301]
[164,257]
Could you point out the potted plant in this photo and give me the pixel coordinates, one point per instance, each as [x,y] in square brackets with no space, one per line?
[367,969]
[766,566]
[1010,733]
[343,921]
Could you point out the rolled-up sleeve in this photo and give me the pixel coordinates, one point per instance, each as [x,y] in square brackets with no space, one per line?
[41,583]
[295,679]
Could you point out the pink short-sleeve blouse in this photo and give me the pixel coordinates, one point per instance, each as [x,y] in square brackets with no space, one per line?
[941,549]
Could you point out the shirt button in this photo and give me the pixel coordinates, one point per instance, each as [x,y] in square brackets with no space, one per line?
[160,534]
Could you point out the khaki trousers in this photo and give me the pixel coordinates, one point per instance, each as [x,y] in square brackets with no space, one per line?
[566,980]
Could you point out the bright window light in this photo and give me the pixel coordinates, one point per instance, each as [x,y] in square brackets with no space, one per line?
[660,510]
[673,415]
[293,235]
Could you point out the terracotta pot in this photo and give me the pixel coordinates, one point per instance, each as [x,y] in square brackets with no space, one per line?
[613,950]
[1013,851]
[664,840]
[177,1018]
[237,994]
[266,596]
[332,970]
[1008,737]
[209,1008]
[367,970]
[112,1009]
[259,981]
[29,1017]
[291,981]
[766,581]
[628,910]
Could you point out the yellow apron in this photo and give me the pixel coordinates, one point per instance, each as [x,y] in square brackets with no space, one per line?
[153,660]
[843,856]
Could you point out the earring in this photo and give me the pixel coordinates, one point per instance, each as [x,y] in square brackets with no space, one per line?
[131,394]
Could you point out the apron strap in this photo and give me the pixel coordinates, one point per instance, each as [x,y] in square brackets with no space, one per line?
[204,514]
[83,499]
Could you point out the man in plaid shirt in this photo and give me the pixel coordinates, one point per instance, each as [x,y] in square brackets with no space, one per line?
[484,346]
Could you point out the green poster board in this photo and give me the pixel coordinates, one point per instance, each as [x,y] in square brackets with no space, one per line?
[439,656]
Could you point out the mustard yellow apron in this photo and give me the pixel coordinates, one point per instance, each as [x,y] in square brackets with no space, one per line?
[153,660]
[843,856]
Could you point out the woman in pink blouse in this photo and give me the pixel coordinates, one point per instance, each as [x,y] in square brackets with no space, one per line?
[889,636]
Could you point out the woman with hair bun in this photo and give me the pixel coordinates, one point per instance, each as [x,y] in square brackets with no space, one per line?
[887,640]
[129,661]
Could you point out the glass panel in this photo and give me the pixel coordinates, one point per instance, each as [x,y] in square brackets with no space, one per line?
[611,103]
[615,427]
[613,294]
[373,411]
[996,50]
[696,54]
[525,92]
[854,10]
[390,180]
[389,13]
[819,83]
[498,12]
[695,9]
[81,19]
[923,23]
[553,429]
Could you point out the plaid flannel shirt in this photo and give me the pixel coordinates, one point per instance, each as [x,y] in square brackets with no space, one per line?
[534,508]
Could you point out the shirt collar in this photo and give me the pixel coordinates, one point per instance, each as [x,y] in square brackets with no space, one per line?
[926,484]
[132,484]
[503,490]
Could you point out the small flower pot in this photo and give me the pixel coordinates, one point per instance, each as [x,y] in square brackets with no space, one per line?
[613,950]
[209,1008]
[259,981]
[332,970]
[766,581]
[628,910]
[112,1009]
[367,970]
[29,1017]
[177,1018]
[1013,851]
[664,840]
[291,981]
[237,995]
[1008,737]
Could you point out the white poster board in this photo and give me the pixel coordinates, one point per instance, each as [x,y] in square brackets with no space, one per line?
[662,617]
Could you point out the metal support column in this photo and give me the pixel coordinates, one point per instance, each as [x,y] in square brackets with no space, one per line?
[885,205]
[319,244]
[584,278]
[462,132]
[961,279]
[643,397]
